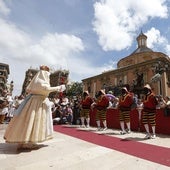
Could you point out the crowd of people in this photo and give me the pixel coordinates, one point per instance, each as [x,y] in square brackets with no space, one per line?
[60,109]
[8,105]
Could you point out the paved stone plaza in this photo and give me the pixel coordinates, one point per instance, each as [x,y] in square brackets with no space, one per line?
[65,152]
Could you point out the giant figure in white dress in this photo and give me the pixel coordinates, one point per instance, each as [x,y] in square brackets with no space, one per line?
[32,122]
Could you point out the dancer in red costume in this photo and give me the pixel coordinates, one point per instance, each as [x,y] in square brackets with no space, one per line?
[85,109]
[149,111]
[101,105]
[125,103]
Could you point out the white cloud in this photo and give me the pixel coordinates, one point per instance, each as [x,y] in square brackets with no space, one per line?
[3,8]
[56,48]
[157,41]
[168,49]
[80,67]
[116,21]
[154,37]
[83,68]
[20,50]
[49,49]
[12,40]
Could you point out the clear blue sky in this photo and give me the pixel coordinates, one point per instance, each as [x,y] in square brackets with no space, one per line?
[85,37]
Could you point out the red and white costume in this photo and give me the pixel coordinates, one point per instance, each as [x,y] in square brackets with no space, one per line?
[85,109]
[125,103]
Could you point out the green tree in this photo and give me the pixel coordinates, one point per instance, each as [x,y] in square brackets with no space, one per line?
[75,89]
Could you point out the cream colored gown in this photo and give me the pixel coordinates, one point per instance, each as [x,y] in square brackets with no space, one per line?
[33,122]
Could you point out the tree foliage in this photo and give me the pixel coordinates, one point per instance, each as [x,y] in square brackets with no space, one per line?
[75,89]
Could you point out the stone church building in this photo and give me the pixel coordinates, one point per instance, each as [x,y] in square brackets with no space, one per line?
[142,66]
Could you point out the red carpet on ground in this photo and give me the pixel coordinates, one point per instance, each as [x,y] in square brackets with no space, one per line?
[149,152]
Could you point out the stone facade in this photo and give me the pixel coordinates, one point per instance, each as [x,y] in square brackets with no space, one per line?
[141,67]
[29,74]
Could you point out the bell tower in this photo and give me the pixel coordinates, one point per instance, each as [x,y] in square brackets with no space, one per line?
[141,39]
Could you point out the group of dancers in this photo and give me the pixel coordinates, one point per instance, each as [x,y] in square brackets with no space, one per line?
[146,109]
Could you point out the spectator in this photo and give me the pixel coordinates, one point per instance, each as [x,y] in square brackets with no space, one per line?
[3,110]
[167,100]
[57,113]
[115,103]
[167,106]
[111,99]
[76,111]
[139,108]
[11,111]
[161,102]
[64,100]
[69,115]
[135,100]
[18,100]
[64,114]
